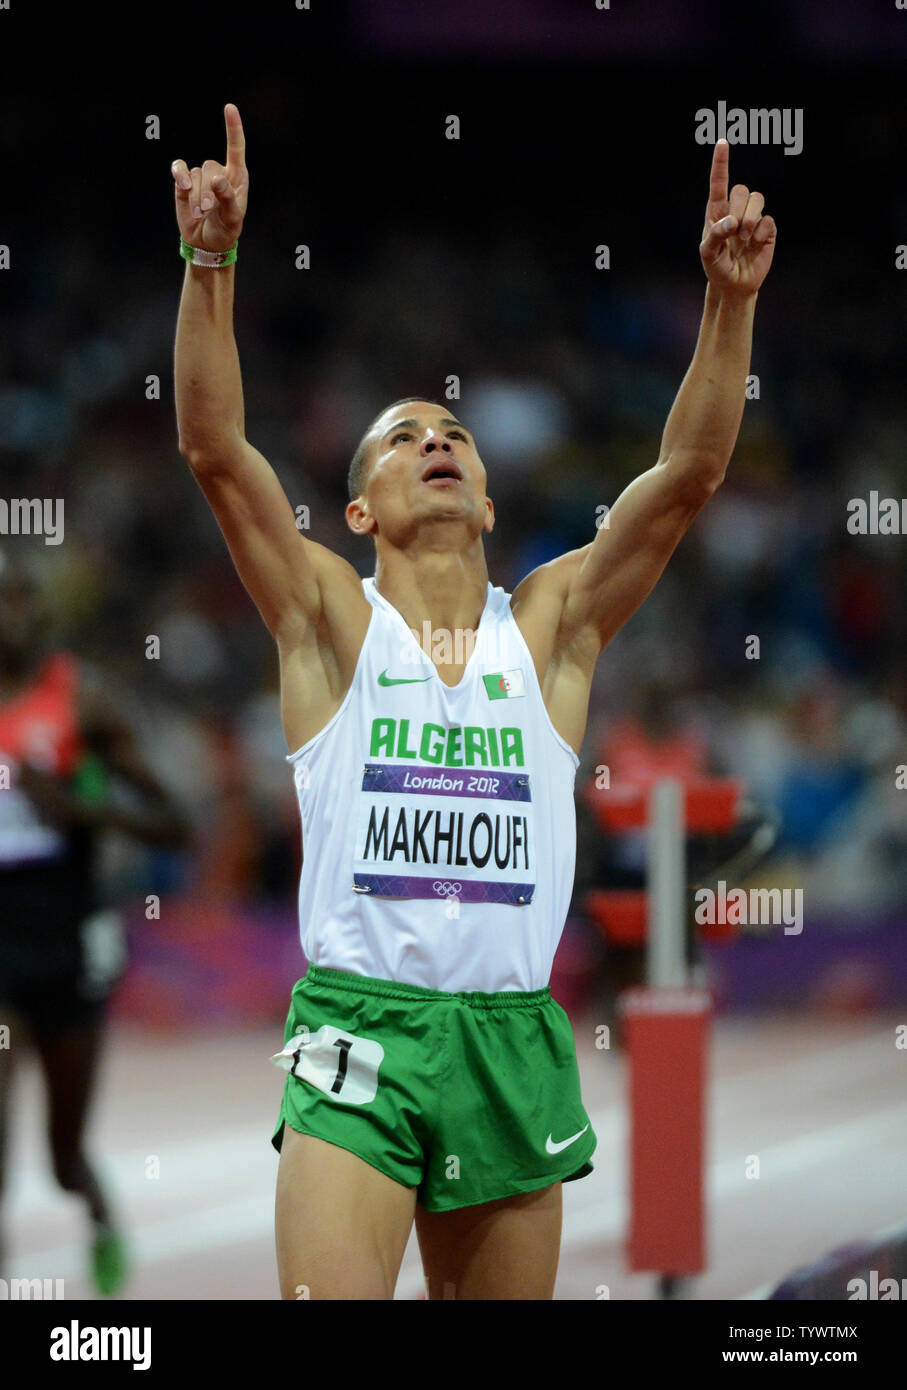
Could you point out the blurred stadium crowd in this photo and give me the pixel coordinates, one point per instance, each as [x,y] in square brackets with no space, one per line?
[566,385]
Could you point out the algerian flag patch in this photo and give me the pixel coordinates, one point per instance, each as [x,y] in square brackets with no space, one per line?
[505,685]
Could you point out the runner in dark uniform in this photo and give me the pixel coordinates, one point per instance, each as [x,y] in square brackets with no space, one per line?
[61,952]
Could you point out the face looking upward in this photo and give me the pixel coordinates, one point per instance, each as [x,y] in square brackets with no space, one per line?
[423,471]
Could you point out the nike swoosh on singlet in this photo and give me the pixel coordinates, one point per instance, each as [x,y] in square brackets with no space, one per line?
[385,679]
[552,1148]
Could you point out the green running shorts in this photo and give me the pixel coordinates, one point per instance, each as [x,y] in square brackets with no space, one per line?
[467,1097]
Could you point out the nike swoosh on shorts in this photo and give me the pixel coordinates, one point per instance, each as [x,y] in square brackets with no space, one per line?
[552,1148]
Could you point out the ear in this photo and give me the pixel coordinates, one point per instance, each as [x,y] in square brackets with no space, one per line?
[358,517]
[489,515]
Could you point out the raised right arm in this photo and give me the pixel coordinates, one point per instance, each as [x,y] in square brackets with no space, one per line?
[276,564]
[310,599]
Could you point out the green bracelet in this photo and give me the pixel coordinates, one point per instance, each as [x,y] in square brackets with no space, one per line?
[212,259]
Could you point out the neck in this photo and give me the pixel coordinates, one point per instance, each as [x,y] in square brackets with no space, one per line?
[446,588]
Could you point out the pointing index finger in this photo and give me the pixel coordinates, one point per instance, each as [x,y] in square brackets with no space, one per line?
[236,140]
[718,178]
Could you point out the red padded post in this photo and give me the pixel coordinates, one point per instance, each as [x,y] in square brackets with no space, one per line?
[711,806]
[666,1035]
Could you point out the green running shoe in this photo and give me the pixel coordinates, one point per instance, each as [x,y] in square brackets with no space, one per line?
[108,1261]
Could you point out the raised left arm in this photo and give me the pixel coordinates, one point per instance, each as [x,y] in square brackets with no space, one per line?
[606,581]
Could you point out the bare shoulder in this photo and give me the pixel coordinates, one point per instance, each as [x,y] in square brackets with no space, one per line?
[338,580]
[347,612]
[564,668]
[318,660]
[538,604]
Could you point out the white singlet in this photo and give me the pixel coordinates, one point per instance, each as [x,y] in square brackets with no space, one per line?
[438,823]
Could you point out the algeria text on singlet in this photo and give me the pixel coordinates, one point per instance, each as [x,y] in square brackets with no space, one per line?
[438,824]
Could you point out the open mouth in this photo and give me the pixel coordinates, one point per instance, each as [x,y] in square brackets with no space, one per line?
[443,471]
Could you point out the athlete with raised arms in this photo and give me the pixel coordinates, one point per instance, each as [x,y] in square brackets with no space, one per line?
[431,1076]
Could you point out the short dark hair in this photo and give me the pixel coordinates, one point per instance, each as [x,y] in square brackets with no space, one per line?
[358,474]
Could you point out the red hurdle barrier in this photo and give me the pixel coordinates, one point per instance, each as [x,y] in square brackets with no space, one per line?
[711,805]
[666,1022]
[667,1041]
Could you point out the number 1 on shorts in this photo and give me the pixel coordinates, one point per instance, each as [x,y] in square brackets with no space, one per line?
[344,1044]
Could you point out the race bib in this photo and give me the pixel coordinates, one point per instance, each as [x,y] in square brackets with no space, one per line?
[344,1067]
[443,832]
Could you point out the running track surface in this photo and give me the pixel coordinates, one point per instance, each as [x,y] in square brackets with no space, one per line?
[821,1101]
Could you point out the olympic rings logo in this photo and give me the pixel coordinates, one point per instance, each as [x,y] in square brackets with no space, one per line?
[447,889]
